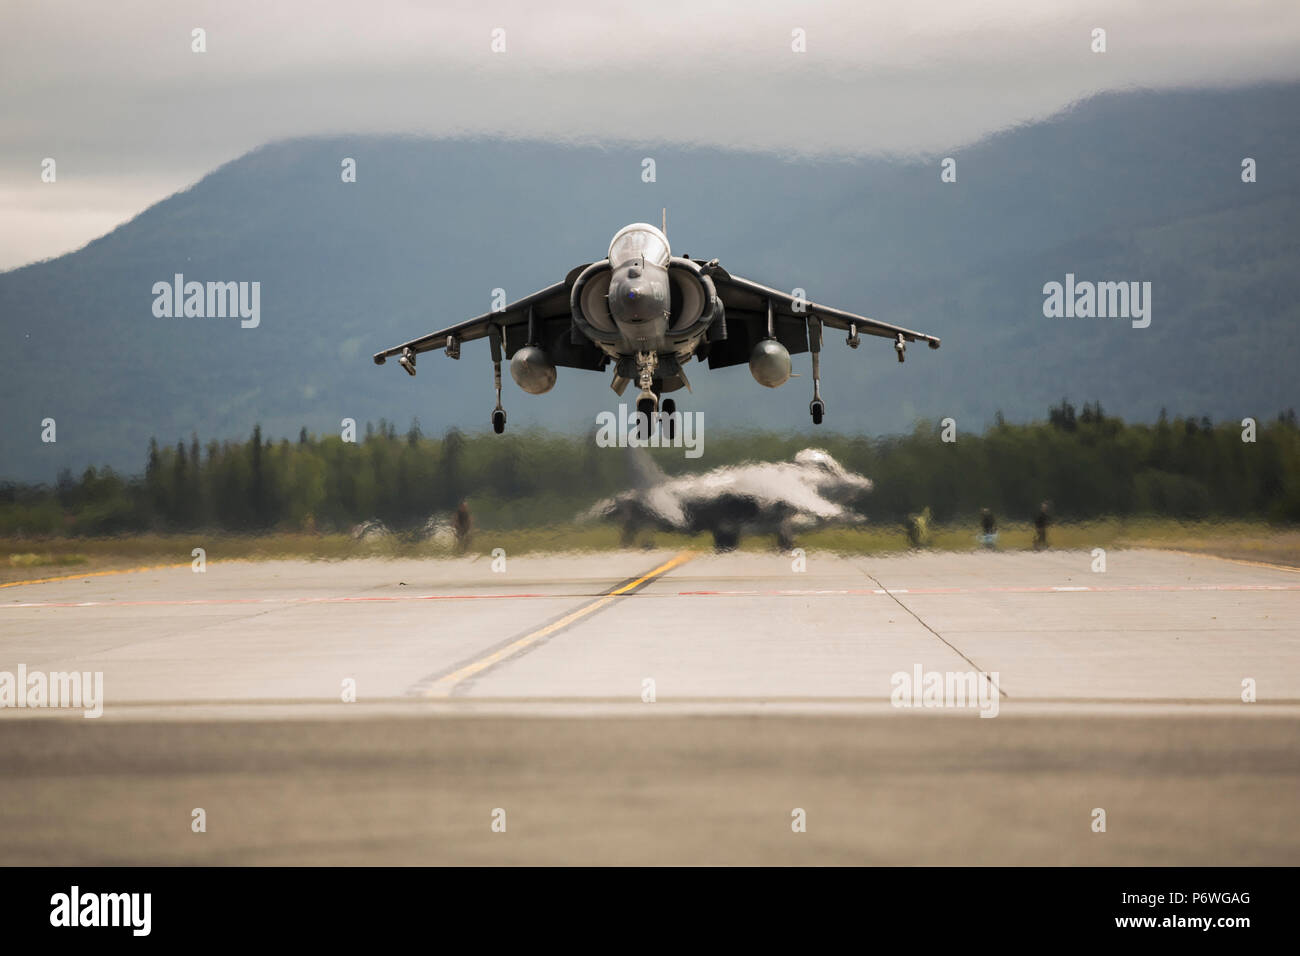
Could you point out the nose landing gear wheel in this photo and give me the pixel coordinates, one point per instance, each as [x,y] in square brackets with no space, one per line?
[818,409]
[670,423]
[499,420]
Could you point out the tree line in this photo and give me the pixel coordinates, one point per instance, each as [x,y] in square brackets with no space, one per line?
[1085,463]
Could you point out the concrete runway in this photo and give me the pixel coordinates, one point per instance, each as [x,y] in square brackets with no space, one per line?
[1120,690]
[1154,628]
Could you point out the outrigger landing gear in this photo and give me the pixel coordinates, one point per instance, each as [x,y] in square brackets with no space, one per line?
[498,413]
[816,406]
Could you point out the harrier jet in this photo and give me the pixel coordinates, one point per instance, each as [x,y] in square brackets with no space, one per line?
[754,498]
[646,312]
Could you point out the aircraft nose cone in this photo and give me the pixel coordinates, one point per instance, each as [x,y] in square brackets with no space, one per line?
[636,297]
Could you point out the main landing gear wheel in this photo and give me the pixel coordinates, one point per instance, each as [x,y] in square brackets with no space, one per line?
[670,423]
[785,537]
[499,420]
[818,409]
[726,538]
[645,406]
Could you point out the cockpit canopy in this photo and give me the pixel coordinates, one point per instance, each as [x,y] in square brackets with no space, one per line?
[815,457]
[639,239]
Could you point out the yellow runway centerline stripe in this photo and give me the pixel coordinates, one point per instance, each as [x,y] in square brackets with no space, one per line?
[650,575]
[445,684]
[95,574]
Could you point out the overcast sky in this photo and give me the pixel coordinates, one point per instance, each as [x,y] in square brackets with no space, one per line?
[112,91]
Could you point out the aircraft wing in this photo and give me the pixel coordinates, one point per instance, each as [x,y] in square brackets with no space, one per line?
[745,302]
[542,318]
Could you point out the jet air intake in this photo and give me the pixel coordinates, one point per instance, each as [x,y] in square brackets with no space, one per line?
[769,363]
[533,370]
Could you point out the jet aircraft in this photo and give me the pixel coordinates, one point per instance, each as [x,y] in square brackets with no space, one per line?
[779,498]
[647,312]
